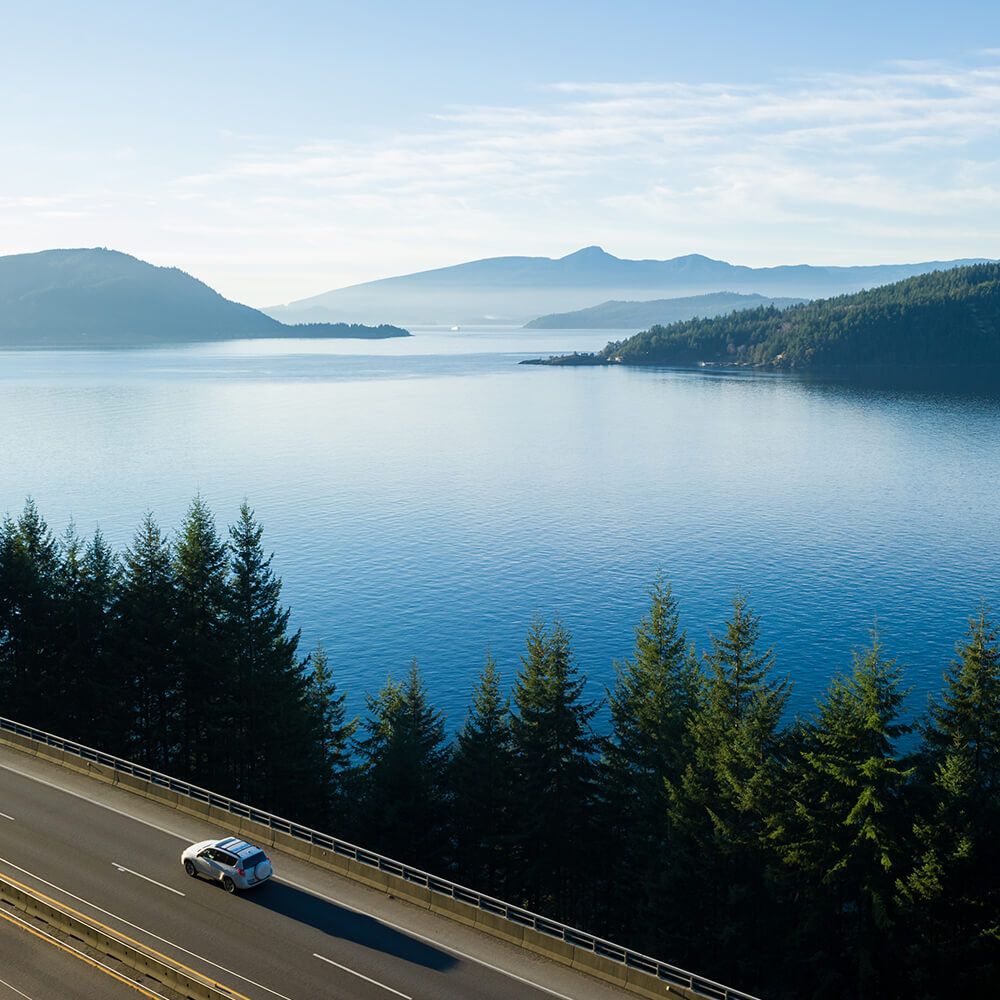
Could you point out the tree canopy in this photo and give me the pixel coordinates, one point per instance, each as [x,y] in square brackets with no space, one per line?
[853,853]
[944,318]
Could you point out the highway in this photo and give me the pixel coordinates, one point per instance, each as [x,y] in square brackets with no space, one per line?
[35,965]
[306,934]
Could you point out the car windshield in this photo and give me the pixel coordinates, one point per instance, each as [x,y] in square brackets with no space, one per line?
[254,860]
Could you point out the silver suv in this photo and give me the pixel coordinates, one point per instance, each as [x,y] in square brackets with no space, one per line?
[231,861]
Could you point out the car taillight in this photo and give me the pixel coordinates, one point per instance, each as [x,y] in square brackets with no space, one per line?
[239,871]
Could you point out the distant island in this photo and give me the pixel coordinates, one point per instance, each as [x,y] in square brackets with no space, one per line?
[617,315]
[515,290]
[104,298]
[941,319]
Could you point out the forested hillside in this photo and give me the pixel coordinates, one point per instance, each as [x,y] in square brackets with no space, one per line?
[945,318]
[851,854]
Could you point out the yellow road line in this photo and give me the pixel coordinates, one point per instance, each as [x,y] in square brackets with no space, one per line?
[48,938]
[125,937]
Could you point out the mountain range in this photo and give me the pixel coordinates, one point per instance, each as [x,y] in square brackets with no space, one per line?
[103,298]
[515,290]
[616,315]
[100,297]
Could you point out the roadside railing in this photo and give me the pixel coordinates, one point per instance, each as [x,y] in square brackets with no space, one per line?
[662,971]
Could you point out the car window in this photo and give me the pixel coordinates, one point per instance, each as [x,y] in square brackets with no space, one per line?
[254,859]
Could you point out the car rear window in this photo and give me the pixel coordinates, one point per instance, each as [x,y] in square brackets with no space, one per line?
[254,860]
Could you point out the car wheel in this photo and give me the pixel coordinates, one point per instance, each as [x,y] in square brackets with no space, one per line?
[189,868]
[228,884]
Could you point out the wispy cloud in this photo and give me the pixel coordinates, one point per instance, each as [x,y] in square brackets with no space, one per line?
[901,124]
[900,163]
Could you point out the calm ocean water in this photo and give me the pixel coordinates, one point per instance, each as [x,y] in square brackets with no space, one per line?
[427,498]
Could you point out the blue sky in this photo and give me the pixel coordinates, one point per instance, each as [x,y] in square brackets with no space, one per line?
[277,154]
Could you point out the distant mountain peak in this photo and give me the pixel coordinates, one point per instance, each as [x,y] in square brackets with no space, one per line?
[589,253]
[514,290]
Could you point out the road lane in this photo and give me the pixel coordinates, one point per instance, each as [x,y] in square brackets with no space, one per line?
[35,965]
[74,843]
[262,943]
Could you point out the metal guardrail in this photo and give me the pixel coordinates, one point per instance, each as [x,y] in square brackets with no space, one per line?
[662,971]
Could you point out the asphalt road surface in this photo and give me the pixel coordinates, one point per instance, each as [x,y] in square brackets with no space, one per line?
[38,965]
[305,934]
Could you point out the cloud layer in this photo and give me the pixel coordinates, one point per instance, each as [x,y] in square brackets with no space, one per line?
[895,165]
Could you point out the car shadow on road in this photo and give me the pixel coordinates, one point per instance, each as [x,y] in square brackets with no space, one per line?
[340,922]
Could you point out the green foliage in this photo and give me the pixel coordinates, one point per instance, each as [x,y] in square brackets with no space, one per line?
[554,750]
[270,726]
[735,736]
[29,568]
[652,699]
[721,804]
[205,675]
[964,726]
[651,704]
[404,760]
[848,828]
[333,734]
[945,318]
[951,895]
[146,647]
[86,688]
[483,801]
[814,860]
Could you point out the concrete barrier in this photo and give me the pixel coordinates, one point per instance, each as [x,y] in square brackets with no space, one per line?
[103,939]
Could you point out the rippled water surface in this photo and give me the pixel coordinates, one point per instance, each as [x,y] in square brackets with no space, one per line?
[427,497]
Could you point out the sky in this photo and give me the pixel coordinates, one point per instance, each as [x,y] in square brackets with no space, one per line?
[280,153]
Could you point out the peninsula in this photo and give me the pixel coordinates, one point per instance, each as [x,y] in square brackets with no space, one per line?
[941,319]
[103,298]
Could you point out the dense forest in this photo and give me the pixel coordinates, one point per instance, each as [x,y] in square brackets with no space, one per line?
[854,853]
[944,318]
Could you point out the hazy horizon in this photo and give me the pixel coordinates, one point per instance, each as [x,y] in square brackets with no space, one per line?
[276,158]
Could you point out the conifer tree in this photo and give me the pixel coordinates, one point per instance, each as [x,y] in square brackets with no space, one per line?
[651,705]
[482,775]
[71,629]
[952,894]
[272,737]
[29,565]
[337,809]
[404,760]
[90,701]
[851,823]
[206,692]
[147,646]
[739,727]
[720,807]
[554,749]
